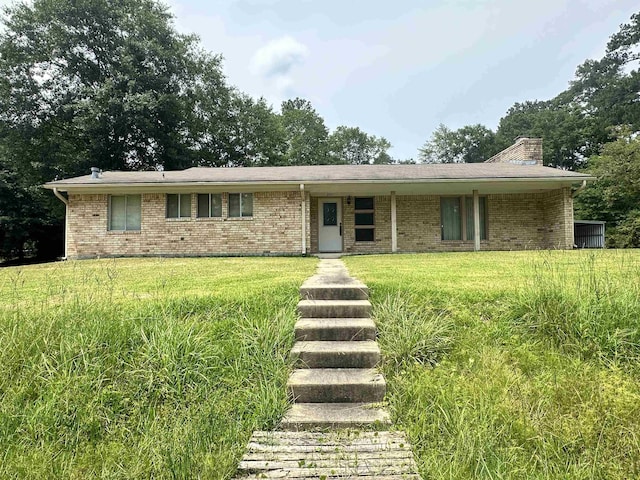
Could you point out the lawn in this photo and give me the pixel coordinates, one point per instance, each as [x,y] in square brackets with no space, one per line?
[498,365]
[150,368]
[512,365]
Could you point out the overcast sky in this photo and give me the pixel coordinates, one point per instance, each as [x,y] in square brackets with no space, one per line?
[398,68]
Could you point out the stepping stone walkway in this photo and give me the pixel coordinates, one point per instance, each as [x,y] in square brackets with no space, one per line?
[335,388]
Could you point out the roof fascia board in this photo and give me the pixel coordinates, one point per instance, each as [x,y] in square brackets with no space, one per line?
[283,185]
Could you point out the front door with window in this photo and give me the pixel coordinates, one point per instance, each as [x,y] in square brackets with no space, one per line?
[330,224]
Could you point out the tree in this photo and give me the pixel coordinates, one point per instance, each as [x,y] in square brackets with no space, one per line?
[305,133]
[615,196]
[99,83]
[564,130]
[469,144]
[352,146]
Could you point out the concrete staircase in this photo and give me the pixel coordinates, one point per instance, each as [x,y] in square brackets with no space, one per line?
[335,384]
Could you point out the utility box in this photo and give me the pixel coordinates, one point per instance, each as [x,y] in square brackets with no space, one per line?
[588,234]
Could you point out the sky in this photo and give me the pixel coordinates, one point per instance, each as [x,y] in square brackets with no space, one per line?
[399,68]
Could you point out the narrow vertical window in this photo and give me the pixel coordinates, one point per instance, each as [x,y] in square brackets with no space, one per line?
[364,219]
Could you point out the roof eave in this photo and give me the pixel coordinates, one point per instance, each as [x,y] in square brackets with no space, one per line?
[62,186]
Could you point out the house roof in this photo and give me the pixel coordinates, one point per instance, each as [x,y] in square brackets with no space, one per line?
[326,174]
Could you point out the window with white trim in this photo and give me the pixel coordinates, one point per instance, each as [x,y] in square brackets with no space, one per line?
[209,205]
[178,205]
[125,212]
[456,214]
[240,204]
[364,219]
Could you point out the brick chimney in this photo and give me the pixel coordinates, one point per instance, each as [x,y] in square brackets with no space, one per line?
[525,151]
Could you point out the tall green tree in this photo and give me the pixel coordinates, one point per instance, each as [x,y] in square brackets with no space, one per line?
[615,196]
[563,128]
[305,133]
[469,144]
[353,146]
[106,83]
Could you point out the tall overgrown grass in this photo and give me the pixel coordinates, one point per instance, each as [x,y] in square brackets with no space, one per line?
[142,368]
[592,310]
[511,365]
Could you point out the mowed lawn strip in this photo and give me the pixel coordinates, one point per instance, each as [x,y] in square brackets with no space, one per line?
[142,368]
[512,364]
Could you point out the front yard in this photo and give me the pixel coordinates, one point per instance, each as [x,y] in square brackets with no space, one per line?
[498,365]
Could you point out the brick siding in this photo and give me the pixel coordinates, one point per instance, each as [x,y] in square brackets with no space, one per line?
[524,149]
[275,229]
[514,222]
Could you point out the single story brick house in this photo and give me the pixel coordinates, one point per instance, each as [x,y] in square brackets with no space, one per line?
[516,201]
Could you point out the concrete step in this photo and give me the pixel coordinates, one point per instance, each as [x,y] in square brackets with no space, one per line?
[353,291]
[308,416]
[334,308]
[336,354]
[336,385]
[335,329]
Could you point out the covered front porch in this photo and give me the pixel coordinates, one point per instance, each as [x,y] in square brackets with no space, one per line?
[438,217]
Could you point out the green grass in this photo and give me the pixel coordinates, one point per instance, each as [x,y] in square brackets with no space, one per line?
[142,368]
[514,364]
[499,365]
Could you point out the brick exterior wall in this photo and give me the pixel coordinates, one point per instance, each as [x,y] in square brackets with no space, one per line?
[514,222]
[275,229]
[527,221]
[524,149]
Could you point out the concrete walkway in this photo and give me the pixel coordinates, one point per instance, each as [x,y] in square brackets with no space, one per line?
[335,388]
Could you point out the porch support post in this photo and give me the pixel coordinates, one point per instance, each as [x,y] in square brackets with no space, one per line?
[476,221]
[394,226]
[303,220]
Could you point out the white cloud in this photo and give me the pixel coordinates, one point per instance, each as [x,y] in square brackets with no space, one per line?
[278,57]
[275,63]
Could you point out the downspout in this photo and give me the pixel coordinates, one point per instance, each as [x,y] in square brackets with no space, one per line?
[66,220]
[580,188]
[304,219]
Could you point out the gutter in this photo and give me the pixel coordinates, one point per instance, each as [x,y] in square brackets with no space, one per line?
[66,221]
[60,196]
[579,189]
[163,185]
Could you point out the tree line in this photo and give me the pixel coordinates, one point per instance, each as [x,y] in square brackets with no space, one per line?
[592,126]
[112,84]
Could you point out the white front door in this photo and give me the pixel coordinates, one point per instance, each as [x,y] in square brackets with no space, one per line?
[330,224]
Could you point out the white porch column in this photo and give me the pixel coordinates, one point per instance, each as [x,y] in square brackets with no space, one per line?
[476,221]
[303,217]
[394,226]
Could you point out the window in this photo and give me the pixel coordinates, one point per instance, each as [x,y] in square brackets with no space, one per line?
[330,214]
[209,205]
[178,206]
[241,204]
[125,212]
[457,218]
[364,219]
